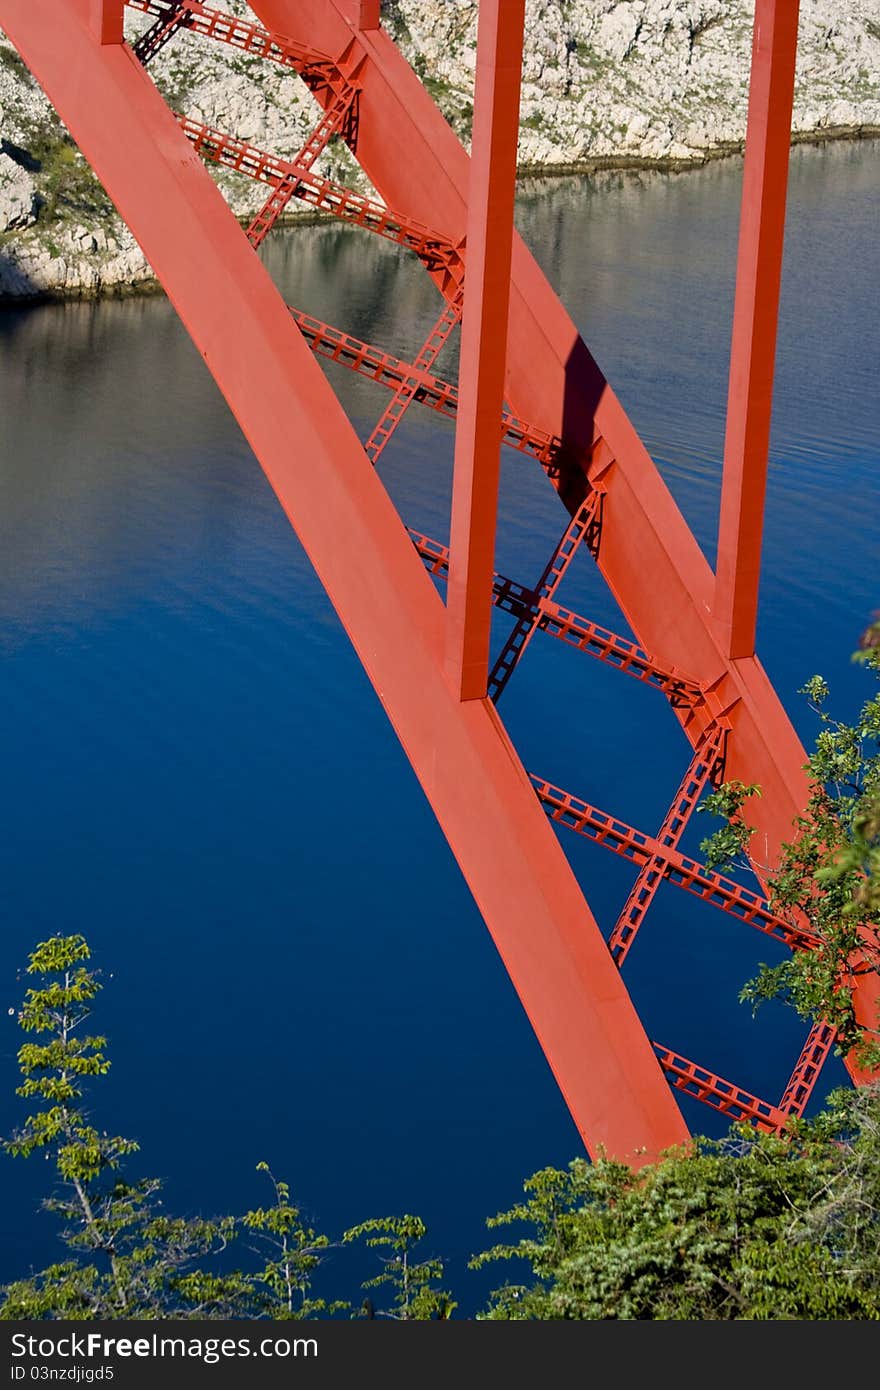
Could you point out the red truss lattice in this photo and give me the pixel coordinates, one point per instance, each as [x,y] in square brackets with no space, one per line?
[694,637]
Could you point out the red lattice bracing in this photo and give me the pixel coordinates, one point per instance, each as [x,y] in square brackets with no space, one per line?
[172,17]
[561,413]
[721,1095]
[814,1055]
[377,365]
[317,69]
[707,764]
[585,526]
[410,386]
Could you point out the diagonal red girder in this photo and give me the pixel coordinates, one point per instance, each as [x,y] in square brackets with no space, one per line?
[814,1055]
[649,557]
[730,1100]
[325,195]
[333,122]
[174,16]
[211,23]
[508,852]
[593,440]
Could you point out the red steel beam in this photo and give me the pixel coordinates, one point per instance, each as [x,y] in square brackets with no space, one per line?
[650,559]
[708,1088]
[332,122]
[585,525]
[755,318]
[106,20]
[483,344]
[410,386]
[365,14]
[578,632]
[705,1086]
[814,1055]
[522,883]
[172,17]
[432,248]
[314,67]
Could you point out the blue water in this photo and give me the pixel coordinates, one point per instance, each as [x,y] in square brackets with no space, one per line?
[198,776]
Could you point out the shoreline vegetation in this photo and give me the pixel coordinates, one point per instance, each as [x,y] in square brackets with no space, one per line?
[526,173]
[756,1227]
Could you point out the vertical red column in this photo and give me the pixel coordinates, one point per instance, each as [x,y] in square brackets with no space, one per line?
[755,317]
[362,13]
[483,344]
[105,19]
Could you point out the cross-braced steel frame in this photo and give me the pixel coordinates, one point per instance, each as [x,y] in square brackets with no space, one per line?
[527,381]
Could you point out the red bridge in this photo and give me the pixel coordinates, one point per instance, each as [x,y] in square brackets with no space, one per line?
[527,382]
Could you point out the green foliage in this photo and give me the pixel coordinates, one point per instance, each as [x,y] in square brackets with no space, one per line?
[68,190]
[412,1283]
[128,1257]
[828,880]
[10,59]
[293,1253]
[728,845]
[829,877]
[754,1228]
[134,1260]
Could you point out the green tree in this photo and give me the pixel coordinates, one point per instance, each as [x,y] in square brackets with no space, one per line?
[411,1281]
[293,1252]
[755,1228]
[131,1259]
[828,878]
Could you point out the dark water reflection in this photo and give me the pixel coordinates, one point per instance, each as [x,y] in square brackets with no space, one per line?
[198,776]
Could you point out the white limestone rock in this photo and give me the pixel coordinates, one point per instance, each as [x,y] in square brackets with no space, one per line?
[18,196]
[609,81]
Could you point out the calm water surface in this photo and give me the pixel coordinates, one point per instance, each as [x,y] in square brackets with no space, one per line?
[198,776]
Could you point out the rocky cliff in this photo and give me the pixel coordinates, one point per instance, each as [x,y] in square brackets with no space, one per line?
[606,82]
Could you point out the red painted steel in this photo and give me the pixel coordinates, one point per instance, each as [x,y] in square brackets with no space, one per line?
[704,766]
[106,20]
[317,69]
[361,14]
[509,854]
[334,121]
[387,370]
[814,1055]
[435,251]
[621,653]
[705,1086]
[484,800]
[755,315]
[585,525]
[172,19]
[483,345]
[410,386]
[580,633]
[649,557]
[715,889]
